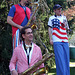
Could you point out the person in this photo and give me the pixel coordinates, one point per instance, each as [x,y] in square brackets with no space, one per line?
[18,17]
[57,26]
[26,54]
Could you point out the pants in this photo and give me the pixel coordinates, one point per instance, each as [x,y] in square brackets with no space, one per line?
[16,39]
[61,50]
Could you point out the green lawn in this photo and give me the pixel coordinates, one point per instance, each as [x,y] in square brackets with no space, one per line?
[72,68]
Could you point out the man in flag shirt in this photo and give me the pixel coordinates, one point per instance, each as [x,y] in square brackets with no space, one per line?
[58,38]
[18,17]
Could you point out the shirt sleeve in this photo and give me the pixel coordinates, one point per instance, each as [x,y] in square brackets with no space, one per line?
[13,61]
[12,11]
[50,23]
[40,57]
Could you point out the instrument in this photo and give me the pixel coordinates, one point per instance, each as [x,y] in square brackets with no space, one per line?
[31,69]
[38,4]
[41,71]
[47,55]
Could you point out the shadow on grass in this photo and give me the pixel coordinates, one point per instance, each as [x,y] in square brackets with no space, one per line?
[72,70]
[72,60]
[53,71]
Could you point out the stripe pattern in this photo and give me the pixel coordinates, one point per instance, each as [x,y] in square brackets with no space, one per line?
[58,32]
[16,40]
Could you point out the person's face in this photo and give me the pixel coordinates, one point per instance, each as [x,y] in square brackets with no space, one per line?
[28,35]
[26,1]
[58,11]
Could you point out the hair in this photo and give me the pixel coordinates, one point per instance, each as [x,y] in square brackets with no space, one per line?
[22,31]
[19,0]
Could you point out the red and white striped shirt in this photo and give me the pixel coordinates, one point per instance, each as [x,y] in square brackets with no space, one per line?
[58,28]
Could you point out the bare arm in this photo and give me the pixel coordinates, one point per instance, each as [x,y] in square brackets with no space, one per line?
[50,35]
[10,21]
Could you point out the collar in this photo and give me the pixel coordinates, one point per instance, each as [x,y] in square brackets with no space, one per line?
[27,46]
[56,15]
[21,5]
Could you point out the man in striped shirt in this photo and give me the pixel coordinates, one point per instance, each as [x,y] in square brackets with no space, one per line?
[58,38]
[25,54]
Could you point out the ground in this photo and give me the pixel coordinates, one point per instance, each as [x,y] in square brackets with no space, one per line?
[72,68]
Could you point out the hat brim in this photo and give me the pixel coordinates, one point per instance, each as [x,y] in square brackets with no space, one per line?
[57,7]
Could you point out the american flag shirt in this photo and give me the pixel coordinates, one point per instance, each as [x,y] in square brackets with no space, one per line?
[59,33]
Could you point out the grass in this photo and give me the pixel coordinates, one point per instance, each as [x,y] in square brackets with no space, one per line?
[72,68]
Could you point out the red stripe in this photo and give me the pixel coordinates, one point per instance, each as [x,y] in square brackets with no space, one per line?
[62,28]
[59,36]
[14,40]
[62,33]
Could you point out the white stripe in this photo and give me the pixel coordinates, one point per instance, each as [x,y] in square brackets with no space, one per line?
[56,39]
[30,54]
[59,34]
[17,37]
[62,30]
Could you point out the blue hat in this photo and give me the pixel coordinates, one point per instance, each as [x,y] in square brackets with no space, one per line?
[56,6]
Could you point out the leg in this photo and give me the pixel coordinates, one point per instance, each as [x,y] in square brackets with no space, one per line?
[59,58]
[16,39]
[66,57]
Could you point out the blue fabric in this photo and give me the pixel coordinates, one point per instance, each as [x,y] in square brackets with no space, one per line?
[12,13]
[61,50]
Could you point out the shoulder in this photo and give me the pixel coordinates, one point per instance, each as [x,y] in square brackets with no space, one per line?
[16,5]
[36,46]
[37,49]
[18,48]
[13,7]
[51,17]
[27,9]
[63,16]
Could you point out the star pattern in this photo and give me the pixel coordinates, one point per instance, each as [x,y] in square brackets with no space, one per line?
[56,23]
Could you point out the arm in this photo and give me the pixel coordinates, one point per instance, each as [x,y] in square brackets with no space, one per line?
[10,17]
[40,56]
[13,63]
[14,72]
[50,35]
[10,21]
[49,31]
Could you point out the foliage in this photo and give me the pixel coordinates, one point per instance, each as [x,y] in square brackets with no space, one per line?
[5,40]
[41,32]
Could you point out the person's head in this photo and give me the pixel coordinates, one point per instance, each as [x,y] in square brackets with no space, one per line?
[26,34]
[19,0]
[26,2]
[57,9]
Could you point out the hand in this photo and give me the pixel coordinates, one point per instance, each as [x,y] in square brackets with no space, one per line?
[34,18]
[20,27]
[51,42]
[14,72]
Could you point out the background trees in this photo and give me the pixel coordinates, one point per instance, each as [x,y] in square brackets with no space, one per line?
[43,15]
